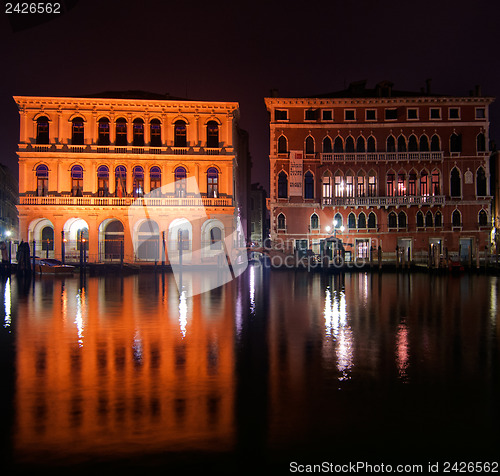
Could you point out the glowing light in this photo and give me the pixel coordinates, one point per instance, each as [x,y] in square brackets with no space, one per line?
[79,316]
[342,228]
[252,290]
[137,347]
[402,351]
[183,313]
[8,233]
[7,303]
[327,228]
[338,329]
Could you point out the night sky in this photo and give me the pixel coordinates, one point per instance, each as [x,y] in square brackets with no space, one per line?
[238,51]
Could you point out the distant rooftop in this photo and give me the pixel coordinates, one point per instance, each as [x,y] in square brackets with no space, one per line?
[133,94]
[383,89]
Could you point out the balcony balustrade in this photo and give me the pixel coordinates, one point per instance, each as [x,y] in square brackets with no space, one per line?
[383,201]
[381,156]
[127,201]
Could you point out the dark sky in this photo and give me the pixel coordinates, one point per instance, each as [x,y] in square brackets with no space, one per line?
[238,51]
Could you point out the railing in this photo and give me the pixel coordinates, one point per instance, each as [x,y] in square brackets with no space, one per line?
[129,149]
[384,201]
[127,201]
[377,156]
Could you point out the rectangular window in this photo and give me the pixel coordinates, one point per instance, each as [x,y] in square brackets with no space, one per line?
[349,186]
[339,186]
[372,186]
[362,249]
[390,185]
[327,115]
[311,114]
[412,184]
[349,114]
[281,115]
[480,113]
[391,114]
[371,114]
[435,113]
[412,114]
[454,113]
[361,186]
[401,185]
[327,187]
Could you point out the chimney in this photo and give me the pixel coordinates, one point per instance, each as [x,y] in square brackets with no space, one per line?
[274,93]
[428,86]
[478,90]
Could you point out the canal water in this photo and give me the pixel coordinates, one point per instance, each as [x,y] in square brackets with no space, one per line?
[114,374]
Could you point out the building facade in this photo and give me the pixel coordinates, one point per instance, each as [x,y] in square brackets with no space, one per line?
[406,172]
[258,215]
[135,177]
[8,201]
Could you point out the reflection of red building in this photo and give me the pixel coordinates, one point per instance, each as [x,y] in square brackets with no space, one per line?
[108,371]
[84,161]
[395,169]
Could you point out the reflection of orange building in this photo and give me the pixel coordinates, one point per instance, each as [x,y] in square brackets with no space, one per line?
[84,161]
[126,374]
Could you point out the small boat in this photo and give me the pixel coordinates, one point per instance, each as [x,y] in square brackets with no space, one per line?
[52,266]
[454,266]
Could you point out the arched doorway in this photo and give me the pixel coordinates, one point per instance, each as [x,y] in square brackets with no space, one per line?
[41,231]
[76,236]
[180,236]
[147,243]
[111,240]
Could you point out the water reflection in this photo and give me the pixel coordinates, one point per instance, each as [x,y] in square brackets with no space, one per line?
[128,366]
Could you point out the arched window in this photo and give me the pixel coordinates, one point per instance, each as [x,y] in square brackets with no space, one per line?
[212,182]
[42,130]
[215,238]
[102,181]
[391,181]
[327,186]
[455,183]
[327,145]
[155,180]
[314,222]
[180,175]
[393,220]
[401,220]
[138,177]
[309,145]
[155,133]
[47,238]
[360,184]
[120,181]
[281,222]
[351,220]
[337,220]
[338,185]
[121,132]
[282,145]
[212,135]
[349,145]
[428,219]
[391,144]
[481,183]
[456,142]
[424,143]
[77,181]
[338,145]
[436,188]
[412,182]
[401,143]
[435,143]
[42,178]
[483,218]
[180,134]
[412,143]
[372,183]
[438,219]
[77,131]
[308,185]
[456,218]
[372,220]
[420,219]
[282,185]
[371,144]
[424,183]
[349,184]
[360,145]
[138,132]
[103,131]
[481,142]
[401,184]
[362,220]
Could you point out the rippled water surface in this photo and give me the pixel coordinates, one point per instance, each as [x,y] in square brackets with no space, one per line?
[122,373]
